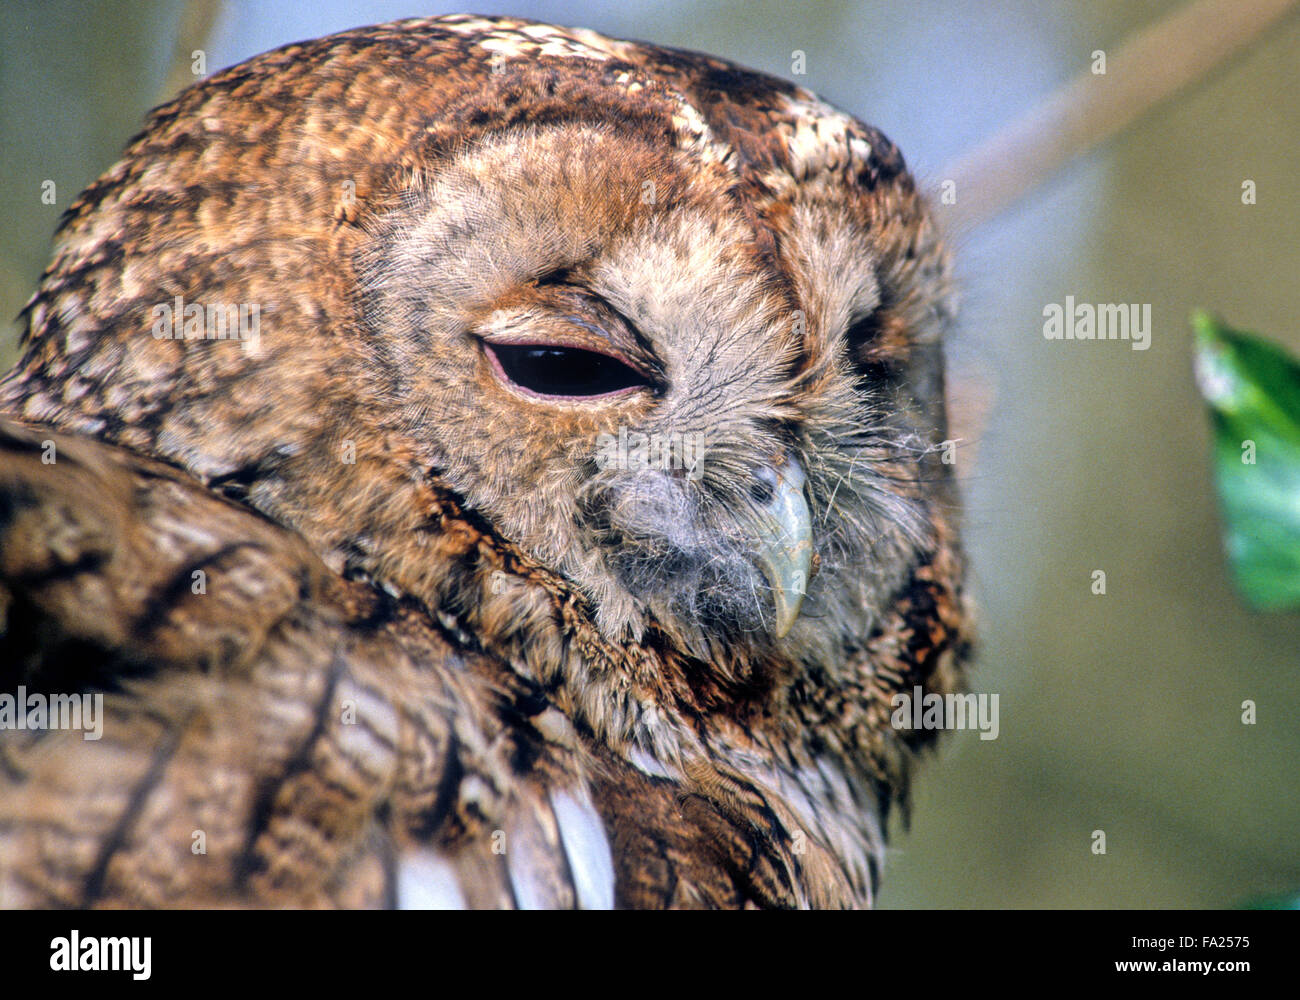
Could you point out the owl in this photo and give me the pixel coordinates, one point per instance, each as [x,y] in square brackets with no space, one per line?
[467,462]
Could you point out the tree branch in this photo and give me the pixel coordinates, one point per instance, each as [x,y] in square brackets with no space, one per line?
[1149,68]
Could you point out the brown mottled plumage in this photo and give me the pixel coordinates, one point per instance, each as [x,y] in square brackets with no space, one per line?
[442,654]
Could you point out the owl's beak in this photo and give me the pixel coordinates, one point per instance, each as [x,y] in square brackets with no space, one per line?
[784,540]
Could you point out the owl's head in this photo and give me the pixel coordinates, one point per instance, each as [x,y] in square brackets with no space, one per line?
[525,310]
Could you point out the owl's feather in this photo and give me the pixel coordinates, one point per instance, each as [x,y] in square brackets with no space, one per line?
[273,734]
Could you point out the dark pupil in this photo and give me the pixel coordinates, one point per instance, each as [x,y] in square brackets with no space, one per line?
[562,371]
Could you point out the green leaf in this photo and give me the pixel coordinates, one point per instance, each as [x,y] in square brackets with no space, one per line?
[1281,901]
[1253,391]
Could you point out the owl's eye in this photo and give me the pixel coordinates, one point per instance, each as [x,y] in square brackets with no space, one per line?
[554,370]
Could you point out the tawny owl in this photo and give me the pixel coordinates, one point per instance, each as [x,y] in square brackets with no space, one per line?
[479,463]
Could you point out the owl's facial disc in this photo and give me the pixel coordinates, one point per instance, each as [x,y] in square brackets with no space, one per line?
[640,393]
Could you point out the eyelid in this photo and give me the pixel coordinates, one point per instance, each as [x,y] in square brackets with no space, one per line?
[569,311]
[565,331]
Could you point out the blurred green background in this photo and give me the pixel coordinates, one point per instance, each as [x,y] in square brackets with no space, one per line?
[1119,712]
